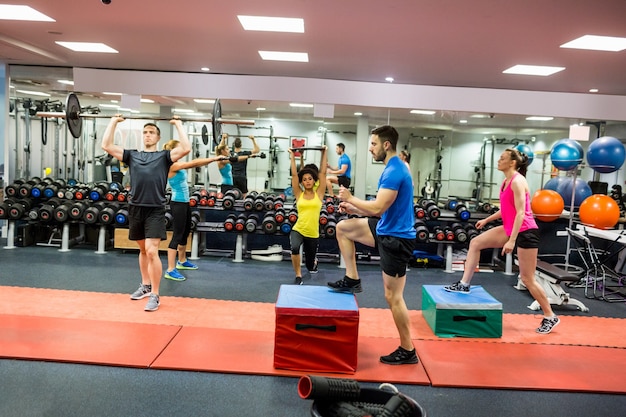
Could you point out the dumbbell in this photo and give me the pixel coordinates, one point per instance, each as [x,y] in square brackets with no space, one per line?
[432,210]
[78,209]
[251,223]
[121,217]
[228,202]
[460,234]
[195,219]
[107,214]
[279,201]
[451,204]
[240,223]
[285,227]
[229,223]
[279,215]
[462,213]
[248,202]
[98,191]
[449,234]
[421,231]
[169,220]
[471,230]
[419,211]
[45,212]
[269,224]
[293,216]
[11,190]
[25,187]
[92,213]
[259,202]
[62,211]
[330,228]
[438,233]
[5,206]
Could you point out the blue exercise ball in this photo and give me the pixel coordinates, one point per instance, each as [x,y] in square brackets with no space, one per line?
[553,183]
[525,149]
[581,191]
[606,154]
[566,154]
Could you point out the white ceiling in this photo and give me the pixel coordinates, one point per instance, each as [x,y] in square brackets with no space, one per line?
[439,43]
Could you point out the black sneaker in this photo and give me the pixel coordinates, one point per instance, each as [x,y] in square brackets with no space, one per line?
[298,281]
[400,356]
[314,270]
[346,284]
[458,287]
[547,325]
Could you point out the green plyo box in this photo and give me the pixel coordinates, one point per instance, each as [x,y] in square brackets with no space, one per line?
[450,314]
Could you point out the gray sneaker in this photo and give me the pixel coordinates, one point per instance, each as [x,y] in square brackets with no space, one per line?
[142,292]
[153,303]
[547,325]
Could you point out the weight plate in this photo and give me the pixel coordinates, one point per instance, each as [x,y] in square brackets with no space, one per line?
[216,122]
[72,116]
[205,135]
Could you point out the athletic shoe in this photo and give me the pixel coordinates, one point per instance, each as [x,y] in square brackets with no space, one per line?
[547,325]
[346,284]
[314,270]
[142,292]
[298,281]
[186,265]
[400,356]
[153,303]
[174,275]
[458,287]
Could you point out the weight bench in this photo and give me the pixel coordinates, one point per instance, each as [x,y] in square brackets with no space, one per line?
[550,278]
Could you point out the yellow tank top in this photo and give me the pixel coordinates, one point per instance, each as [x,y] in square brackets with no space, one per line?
[308,224]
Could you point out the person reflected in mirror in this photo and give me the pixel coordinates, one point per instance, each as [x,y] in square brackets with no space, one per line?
[386,224]
[225,166]
[148,170]
[518,230]
[240,167]
[342,174]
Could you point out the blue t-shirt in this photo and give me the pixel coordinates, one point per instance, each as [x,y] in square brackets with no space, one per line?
[179,186]
[227,174]
[345,160]
[399,218]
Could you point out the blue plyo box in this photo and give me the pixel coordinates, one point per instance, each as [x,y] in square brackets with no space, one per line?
[451,314]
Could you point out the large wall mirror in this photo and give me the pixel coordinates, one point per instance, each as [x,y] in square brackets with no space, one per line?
[453,153]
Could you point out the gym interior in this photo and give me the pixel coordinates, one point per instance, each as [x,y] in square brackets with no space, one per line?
[74,344]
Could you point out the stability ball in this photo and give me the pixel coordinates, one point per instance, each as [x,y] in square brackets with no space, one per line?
[525,149]
[599,211]
[581,190]
[606,154]
[566,154]
[553,183]
[547,205]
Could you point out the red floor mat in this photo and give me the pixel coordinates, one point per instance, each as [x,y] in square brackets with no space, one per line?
[523,366]
[252,352]
[84,341]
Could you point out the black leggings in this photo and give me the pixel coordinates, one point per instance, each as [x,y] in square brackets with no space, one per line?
[181,224]
[310,247]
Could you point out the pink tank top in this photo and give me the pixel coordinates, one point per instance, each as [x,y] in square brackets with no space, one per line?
[507,209]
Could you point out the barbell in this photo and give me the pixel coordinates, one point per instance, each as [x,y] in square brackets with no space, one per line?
[74,118]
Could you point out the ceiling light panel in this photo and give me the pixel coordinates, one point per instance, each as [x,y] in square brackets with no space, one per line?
[597,43]
[17,12]
[284,56]
[87,47]
[272,24]
[539,70]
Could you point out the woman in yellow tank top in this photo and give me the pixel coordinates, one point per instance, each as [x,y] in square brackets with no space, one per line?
[305,233]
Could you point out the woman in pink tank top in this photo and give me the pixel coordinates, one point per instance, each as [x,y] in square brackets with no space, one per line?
[518,229]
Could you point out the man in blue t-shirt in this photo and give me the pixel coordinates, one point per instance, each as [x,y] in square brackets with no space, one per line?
[341,175]
[393,235]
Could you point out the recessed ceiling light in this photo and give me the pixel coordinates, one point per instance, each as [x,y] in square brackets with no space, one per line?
[463,121]
[66,82]
[284,56]
[33,93]
[540,118]
[87,47]
[205,69]
[533,70]
[597,43]
[260,109]
[272,24]
[358,113]
[389,79]
[16,12]
[110,93]
[428,112]
[479,116]
[300,105]
[593,90]
[146,100]
[204,100]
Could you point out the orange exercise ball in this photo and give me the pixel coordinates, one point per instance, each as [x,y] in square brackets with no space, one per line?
[599,211]
[547,205]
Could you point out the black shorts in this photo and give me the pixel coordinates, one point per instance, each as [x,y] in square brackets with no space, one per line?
[343,181]
[241,183]
[528,239]
[395,252]
[146,223]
